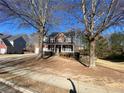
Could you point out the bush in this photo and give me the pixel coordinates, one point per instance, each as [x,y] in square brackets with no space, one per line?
[77,55]
[84,52]
[66,54]
[48,53]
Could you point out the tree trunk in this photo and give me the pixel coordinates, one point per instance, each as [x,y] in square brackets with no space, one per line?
[40,43]
[92,54]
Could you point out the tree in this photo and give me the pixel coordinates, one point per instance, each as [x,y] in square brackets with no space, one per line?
[35,13]
[102,47]
[117,43]
[96,16]
[99,15]
[76,35]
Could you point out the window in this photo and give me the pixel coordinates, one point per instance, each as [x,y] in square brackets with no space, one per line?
[68,39]
[52,40]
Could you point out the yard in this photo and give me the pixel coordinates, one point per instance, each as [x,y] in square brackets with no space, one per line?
[50,75]
[14,55]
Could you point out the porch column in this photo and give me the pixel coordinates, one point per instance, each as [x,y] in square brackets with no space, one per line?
[72,48]
[61,48]
[54,48]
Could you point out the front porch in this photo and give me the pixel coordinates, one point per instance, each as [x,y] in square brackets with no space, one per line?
[61,48]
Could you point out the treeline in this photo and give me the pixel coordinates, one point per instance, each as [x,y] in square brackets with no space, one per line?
[110,47]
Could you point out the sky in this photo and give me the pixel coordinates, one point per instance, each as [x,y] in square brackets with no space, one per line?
[67,22]
[13,29]
[10,28]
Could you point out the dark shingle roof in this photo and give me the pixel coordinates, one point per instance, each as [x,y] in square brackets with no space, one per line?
[53,34]
[14,37]
[26,38]
[4,36]
[65,33]
[1,34]
[68,34]
[7,43]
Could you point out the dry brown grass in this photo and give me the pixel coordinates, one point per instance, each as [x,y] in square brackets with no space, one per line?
[68,68]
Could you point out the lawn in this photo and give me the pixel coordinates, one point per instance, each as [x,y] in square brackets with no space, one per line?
[106,74]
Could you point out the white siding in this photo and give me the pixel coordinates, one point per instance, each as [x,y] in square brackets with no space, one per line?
[52,40]
[12,43]
[36,50]
[68,39]
[3,50]
[45,49]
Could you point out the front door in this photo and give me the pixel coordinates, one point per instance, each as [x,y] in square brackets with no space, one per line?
[58,48]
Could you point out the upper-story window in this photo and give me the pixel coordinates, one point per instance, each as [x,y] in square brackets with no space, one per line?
[51,40]
[68,39]
[45,39]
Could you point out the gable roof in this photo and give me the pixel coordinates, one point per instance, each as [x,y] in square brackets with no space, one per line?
[53,34]
[69,34]
[7,43]
[2,36]
[14,37]
[7,38]
[26,37]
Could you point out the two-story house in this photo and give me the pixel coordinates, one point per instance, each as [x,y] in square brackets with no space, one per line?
[59,42]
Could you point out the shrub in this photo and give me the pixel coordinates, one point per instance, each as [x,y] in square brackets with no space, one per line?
[66,54]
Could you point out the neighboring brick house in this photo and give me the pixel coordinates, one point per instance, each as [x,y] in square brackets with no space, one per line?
[11,44]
